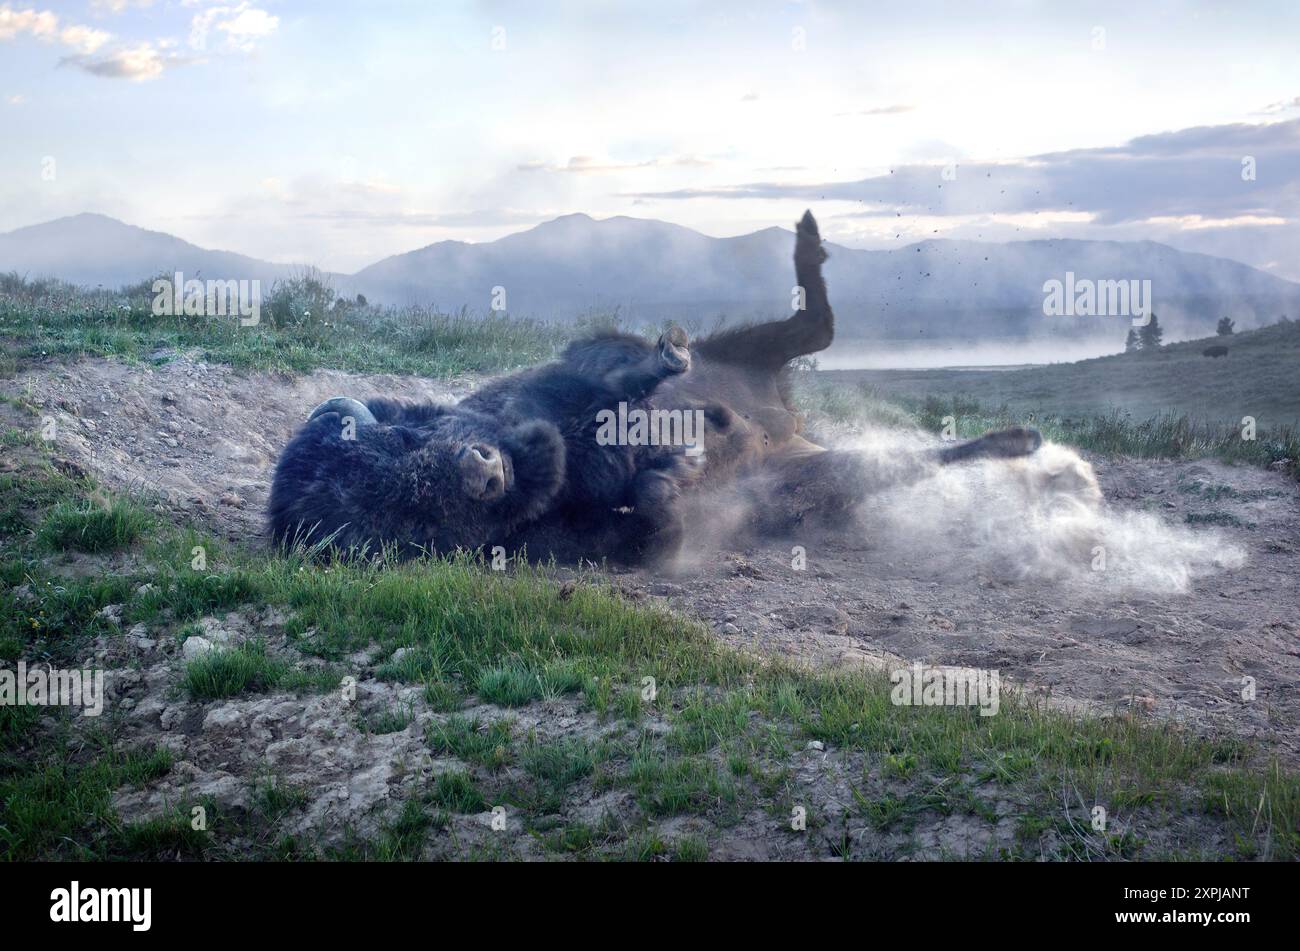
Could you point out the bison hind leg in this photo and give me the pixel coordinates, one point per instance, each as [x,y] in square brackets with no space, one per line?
[1003,444]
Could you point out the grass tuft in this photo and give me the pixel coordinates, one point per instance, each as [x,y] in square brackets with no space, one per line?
[93,526]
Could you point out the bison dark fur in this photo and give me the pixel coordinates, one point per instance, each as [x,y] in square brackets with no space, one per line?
[438,478]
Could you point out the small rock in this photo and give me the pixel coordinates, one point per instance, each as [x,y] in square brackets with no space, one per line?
[730,628]
[816,745]
[222,718]
[197,646]
[231,499]
[401,653]
[140,639]
[112,613]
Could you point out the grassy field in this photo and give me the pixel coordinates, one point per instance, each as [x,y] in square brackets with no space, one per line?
[303,327]
[722,739]
[1257,378]
[1172,404]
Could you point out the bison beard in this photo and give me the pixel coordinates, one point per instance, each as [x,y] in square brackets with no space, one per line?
[517,463]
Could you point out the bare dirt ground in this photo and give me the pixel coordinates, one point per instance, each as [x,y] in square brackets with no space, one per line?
[1083,638]
[1199,591]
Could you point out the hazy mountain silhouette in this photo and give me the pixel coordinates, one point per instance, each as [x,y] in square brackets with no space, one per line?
[653,270]
[92,249]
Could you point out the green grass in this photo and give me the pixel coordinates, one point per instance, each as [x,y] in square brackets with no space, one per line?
[667,785]
[248,668]
[392,720]
[487,745]
[1256,379]
[93,526]
[1114,432]
[57,803]
[302,328]
[561,762]
[456,792]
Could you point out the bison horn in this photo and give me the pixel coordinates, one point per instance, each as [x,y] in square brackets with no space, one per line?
[345,406]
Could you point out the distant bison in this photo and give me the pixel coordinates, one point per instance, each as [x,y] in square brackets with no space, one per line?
[520,463]
[1216,352]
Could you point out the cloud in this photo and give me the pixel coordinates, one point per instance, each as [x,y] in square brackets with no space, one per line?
[84,39]
[117,6]
[137,63]
[587,165]
[243,26]
[1276,108]
[1204,171]
[42,24]
[377,204]
[879,111]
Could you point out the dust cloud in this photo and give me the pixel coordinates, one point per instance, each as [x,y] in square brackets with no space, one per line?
[1039,517]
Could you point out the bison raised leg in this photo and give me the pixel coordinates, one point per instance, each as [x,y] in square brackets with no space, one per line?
[770,346]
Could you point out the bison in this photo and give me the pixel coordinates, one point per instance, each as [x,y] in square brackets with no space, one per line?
[1215,352]
[520,462]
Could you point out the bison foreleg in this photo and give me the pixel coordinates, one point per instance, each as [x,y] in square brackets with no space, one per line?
[669,358]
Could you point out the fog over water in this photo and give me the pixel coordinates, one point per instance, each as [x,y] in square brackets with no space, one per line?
[898,355]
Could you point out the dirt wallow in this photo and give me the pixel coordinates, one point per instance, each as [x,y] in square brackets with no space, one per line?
[1198,596]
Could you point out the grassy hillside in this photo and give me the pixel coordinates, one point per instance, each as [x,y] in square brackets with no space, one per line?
[1259,377]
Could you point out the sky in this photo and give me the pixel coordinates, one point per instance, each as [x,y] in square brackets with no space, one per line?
[336,134]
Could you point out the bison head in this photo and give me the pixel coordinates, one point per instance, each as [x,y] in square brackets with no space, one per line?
[426,477]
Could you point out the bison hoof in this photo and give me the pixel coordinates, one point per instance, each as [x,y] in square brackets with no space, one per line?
[674,356]
[1010,443]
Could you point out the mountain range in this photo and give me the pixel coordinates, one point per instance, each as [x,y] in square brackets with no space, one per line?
[652,270]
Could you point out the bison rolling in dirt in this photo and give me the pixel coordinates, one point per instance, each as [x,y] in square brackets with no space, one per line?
[521,463]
